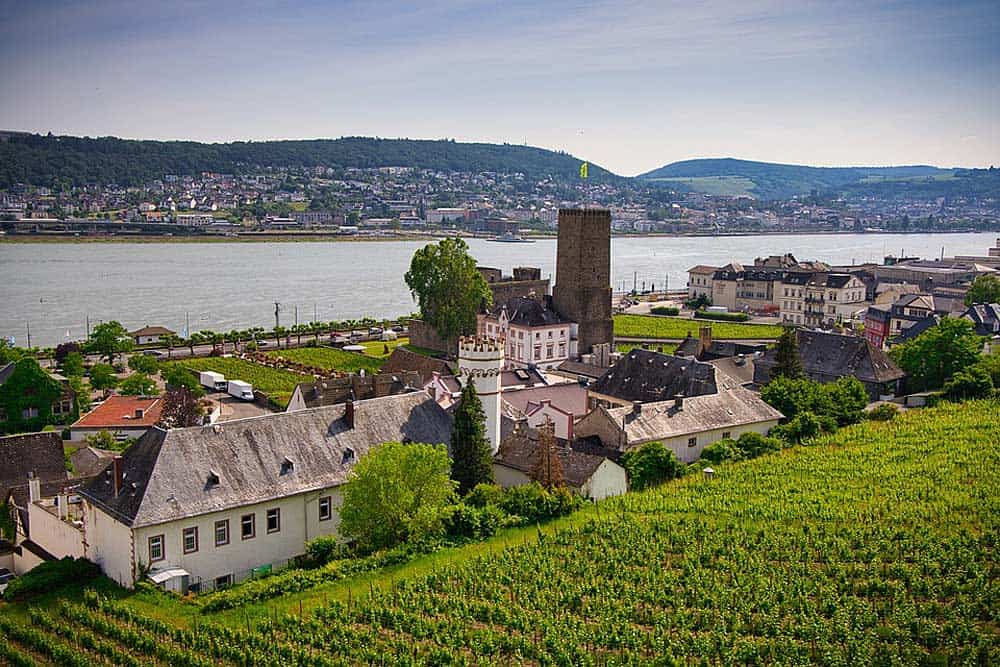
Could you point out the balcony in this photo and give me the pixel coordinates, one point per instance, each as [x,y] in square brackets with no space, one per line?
[815,299]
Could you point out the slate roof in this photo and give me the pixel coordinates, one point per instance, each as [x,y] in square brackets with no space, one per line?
[644,375]
[150,331]
[986,318]
[120,412]
[331,391]
[88,461]
[662,420]
[525,312]
[404,360]
[835,355]
[171,470]
[528,377]
[917,328]
[717,349]
[519,451]
[37,453]
[581,369]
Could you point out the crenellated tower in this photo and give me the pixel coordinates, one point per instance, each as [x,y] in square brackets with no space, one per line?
[480,360]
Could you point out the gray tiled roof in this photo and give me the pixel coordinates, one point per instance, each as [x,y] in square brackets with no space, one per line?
[644,375]
[171,469]
[37,453]
[519,451]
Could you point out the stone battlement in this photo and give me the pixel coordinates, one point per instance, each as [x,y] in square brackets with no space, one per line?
[480,347]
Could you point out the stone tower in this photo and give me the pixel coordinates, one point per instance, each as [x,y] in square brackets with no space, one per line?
[480,361]
[582,292]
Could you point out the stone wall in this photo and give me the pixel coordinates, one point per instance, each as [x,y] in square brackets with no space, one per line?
[527,282]
[582,292]
[423,335]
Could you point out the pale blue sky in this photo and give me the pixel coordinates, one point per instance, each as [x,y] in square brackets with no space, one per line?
[628,85]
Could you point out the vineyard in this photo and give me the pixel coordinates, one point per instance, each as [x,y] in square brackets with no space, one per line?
[676,328]
[874,546]
[331,359]
[275,382]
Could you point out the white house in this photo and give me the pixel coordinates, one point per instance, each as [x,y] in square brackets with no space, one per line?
[149,334]
[535,334]
[203,507]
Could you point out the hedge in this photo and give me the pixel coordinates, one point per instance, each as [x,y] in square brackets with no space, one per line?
[722,317]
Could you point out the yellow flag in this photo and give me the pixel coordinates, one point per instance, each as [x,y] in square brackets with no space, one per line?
[583,170]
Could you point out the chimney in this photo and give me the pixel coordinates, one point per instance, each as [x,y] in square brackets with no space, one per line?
[349,409]
[704,339]
[34,488]
[679,402]
[62,505]
[117,474]
[636,408]
[139,412]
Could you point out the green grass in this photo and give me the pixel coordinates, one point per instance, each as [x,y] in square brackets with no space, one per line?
[650,326]
[723,186]
[875,545]
[330,359]
[275,382]
[625,348]
[376,348]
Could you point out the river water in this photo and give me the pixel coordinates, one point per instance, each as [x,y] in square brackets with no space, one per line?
[53,288]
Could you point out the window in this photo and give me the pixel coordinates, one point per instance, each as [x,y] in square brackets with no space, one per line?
[222,533]
[273,520]
[29,413]
[225,581]
[538,352]
[550,334]
[726,435]
[248,526]
[549,351]
[190,540]
[156,550]
[692,441]
[325,508]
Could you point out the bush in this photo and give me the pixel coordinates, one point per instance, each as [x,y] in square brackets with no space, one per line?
[532,502]
[485,494]
[722,317]
[883,412]
[141,363]
[722,450]
[701,301]
[973,382]
[753,444]
[805,425]
[325,549]
[49,576]
[651,464]
[475,523]
[665,310]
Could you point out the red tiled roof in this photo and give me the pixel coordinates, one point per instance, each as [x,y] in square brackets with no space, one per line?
[119,412]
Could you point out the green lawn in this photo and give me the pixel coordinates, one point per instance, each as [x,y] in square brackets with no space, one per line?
[652,326]
[275,382]
[331,359]
[625,348]
[376,348]
[874,545]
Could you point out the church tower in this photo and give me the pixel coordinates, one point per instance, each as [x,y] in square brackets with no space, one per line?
[480,361]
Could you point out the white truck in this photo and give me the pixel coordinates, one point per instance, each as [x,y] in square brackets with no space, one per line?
[212,380]
[240,389]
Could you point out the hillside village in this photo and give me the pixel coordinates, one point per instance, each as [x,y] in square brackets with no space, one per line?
[221,499]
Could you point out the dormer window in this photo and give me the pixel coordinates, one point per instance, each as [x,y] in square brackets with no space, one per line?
[348,456]
[287,465]
[213,478]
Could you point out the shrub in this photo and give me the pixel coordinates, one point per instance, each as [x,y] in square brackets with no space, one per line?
[665,310]
[485,494]
[883,412]
[475,522]
[805,425]
[701,301]
[722,450]
[140,363]
[325,549]
[973,382]
[651,464]
[49,576]
[753,444]
[532,502]
[722,317]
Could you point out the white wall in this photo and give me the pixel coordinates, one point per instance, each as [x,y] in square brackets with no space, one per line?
[608,480]
[60,538]
[79,434]
[108,543]
[687,454]
[299,524]
[508,477]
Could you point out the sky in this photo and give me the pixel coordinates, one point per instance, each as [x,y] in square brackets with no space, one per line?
[630,86]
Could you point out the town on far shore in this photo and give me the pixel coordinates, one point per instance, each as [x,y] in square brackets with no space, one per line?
[197,463]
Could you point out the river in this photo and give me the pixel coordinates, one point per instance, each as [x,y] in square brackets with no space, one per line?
[53,288]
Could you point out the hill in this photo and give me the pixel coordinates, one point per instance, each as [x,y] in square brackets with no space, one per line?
[875,545]
[766,180]
[49,160]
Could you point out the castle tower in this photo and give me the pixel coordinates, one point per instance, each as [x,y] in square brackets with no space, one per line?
[582,292]
[480,360]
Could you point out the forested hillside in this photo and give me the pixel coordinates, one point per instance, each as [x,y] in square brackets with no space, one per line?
[50,160]
[765,180]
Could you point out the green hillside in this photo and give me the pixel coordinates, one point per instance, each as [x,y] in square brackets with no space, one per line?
[49,160]
[873,546]
[780,181]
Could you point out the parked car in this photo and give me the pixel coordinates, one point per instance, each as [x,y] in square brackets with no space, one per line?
[154,353]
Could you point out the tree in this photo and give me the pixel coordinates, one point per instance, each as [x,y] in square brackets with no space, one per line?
[973,382]
[102,377]
[848,399]
[471,452]
[651,464]
[181,409]
[106,441]
[138,384]
[65,349]
[172,341]
[142,363]
[448,288]
[984,289]
[397,492]
[176,377]
[547,469]
[793,396]
[72,365]
[938,353]
[788,363]
[109,339]
[9,353]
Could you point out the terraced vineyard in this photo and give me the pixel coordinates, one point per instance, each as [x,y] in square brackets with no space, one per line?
[653,326]
[875,546]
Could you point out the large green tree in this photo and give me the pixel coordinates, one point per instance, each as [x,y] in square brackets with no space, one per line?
[102,377]
[109,339]
[471,453]
[934,356]
[138,384]
[984,289]
[397,492]
[448,288]
[788,363]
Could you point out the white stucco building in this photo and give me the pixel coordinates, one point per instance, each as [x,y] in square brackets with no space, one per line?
[535,335]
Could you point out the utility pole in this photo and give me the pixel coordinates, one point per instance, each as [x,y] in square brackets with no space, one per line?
[315,319]
[635,281]
[29,334]
[277,309]
[296,316]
